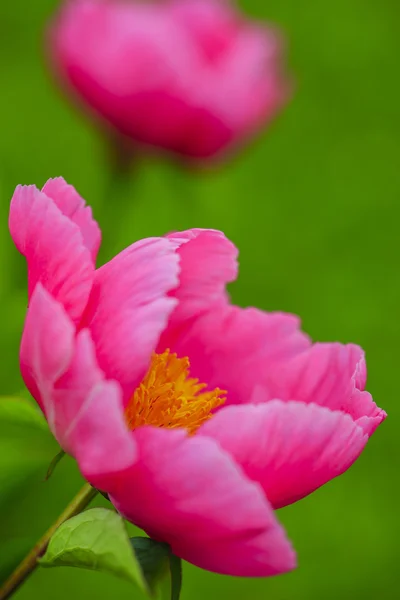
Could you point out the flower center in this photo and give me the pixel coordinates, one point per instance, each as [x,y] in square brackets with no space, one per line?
[168,397]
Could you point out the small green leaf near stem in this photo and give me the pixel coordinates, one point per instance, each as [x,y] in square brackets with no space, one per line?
[175,565]
[54,463]
[96,540]
[153,558]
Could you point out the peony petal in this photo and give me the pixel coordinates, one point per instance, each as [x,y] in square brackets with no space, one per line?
[89,417]
[331,375]
[137,80]
[237,349]
[84,411]
[208,262]
[74,207]
[290,448]
[160,72]
[190,494]
[53,247]
[209,25]
[253,73]
[129,307]
[100,441]
[46,347]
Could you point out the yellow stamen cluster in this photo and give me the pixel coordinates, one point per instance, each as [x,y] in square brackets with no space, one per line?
[168,397]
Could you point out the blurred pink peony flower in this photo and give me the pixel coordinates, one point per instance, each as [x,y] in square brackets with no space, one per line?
[189,76]
[106,354]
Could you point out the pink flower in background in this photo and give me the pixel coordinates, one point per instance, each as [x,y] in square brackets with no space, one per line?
[198,461]
[189,76]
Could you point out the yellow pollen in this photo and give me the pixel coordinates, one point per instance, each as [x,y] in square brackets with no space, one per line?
[168,397]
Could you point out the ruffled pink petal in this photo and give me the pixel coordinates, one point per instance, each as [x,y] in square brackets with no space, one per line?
[253,73]
[47,347]
[89,417]
[208,262]
[53,247]
[189,493]
[129,307]
[84,411]
[237,349]
[290,448]
[131,64]
[211,25]
[74,207]
[332,375]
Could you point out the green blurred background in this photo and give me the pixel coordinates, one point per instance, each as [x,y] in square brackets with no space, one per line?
[313,205]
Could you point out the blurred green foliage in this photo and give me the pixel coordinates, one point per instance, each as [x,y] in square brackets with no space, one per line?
[313,205]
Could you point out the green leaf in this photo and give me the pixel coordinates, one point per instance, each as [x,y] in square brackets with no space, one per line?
[175,564]
[161,569]
[153,558]
[95,539]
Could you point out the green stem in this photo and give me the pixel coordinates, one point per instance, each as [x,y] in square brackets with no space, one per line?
[30,562]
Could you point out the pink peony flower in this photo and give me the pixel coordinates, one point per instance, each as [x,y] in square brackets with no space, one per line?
[189,76]
[198,461]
